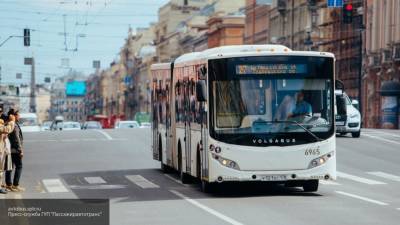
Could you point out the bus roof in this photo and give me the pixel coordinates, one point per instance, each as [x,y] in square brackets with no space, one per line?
[239,51]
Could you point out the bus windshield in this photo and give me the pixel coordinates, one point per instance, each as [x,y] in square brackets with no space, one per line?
[244,106]
[261,98]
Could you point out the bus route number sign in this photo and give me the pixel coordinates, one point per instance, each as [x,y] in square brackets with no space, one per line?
[264,69]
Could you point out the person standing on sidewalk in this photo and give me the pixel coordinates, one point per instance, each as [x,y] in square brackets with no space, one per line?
[5,155]
[17,153]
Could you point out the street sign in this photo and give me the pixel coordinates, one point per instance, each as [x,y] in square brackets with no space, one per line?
[28,61]
[47,80]
[335,3]
[18,76]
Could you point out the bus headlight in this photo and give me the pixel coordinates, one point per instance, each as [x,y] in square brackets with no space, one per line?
[320,160]
[226,162]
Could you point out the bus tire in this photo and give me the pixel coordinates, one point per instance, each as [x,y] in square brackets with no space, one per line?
[207,187]
[310,185]
[185,178]
[356,134]
[198,164]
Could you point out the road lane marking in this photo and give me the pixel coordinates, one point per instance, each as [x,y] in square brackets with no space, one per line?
[54,185]
[99,187]
[207,209]
[104,134]
[95,180]
[176,180]
[361,198]
[141,181]
[382,132]
[358,179]
[385,175]
[328,182]
[382,139]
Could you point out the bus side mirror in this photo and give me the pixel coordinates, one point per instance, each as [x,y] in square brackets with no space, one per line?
[201,93]
[341,105]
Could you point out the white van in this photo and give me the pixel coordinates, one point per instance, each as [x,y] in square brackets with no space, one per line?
[29,122]
[348,117]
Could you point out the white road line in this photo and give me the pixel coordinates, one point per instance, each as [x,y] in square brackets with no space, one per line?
[95,180]
[176,180]
[328,182]
[385,175]
[382,139]
[104,134]
[358,179]
[54,185]
[99,187]
[382,132]
[398,208]
[361,198]
[207,209]
[141,181]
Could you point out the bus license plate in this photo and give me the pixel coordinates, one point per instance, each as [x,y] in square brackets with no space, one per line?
[340,123]
[273,177]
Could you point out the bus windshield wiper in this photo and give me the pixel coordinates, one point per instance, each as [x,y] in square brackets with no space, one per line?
[301,126]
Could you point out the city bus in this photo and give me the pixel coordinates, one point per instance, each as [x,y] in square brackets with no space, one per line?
[246,113]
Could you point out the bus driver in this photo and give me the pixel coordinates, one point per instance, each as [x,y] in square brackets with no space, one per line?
[302,108]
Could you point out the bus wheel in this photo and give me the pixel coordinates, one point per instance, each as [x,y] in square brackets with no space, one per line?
[207,187]
[356,134]
[164,168]
[185,178]
[310,185]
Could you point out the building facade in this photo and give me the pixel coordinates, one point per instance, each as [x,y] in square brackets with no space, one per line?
[381,80]
[257,22]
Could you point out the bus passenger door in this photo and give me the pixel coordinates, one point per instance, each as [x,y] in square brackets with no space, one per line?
[154,110]
[168,129]
[187,126]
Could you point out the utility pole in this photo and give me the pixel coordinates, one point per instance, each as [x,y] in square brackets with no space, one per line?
[32,104]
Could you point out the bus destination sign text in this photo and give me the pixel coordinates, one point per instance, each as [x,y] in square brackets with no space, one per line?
[261,69]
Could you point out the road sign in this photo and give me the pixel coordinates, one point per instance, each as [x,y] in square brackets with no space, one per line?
[335,3]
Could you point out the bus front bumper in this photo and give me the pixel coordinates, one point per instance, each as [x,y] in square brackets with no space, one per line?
[220,173]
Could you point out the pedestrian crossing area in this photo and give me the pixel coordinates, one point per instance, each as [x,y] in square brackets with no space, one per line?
[141,182]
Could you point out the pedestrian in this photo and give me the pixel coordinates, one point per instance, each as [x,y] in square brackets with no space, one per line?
[17,153]
[5,152]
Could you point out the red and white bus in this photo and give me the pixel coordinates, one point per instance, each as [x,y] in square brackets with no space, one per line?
[246,113]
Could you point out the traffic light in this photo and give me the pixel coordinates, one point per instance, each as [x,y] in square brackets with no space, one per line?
[347,13]
[27,37]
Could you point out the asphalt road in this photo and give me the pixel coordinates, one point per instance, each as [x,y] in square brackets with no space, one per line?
[117,164]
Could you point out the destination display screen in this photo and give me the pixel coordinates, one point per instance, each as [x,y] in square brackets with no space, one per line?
[265,69]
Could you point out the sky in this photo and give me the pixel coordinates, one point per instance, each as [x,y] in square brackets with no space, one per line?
[96,28]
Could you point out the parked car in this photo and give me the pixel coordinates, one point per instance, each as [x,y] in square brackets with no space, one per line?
[145,125]
[90,125]
[126,124]
[70,125]
[46,125]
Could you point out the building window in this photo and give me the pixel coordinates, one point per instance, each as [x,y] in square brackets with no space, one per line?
[185,2]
